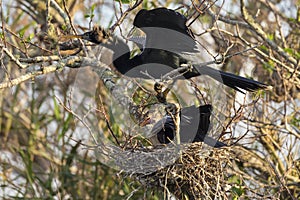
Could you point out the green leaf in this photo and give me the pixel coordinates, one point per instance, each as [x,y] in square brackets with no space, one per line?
[238,191]
[66,126]
[91,12]
[289,51]
[234,179]
[297,55]
[263,47]
[292,52]
[270,36]
[29,38]
[292,20]
[64,27]
[86,15]
[56,110]
[93,8]
[269,66]
[22,31]
[124,1]
[295,121]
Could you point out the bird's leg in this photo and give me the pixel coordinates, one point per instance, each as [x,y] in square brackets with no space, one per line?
[158,86]
[162,94]
[168,88]
[171,109]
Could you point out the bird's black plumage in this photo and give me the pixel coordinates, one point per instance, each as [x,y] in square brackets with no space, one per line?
[162,18]
[194,126]
[169,44]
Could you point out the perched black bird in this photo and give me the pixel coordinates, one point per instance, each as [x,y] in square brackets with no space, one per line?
[194,125]
[169,44]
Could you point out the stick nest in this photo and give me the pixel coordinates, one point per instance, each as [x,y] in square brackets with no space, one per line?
[197,173]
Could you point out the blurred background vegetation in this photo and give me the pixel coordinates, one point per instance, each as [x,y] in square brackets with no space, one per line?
[42,155]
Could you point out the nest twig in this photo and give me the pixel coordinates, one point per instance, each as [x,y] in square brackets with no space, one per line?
[197,174]
[193,172]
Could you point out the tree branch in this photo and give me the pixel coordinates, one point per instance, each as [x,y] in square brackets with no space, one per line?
[257,28]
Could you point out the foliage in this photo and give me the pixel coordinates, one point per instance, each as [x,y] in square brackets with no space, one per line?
[45,154]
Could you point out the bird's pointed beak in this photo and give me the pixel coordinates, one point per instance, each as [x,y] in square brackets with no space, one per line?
[145,122]
[69,37]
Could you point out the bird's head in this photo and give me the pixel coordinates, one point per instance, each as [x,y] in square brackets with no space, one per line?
[98,35]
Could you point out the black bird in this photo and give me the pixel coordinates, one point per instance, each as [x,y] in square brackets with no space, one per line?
[194,125]
[169,44]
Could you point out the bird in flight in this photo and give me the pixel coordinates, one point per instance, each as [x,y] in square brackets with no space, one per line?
[169,45]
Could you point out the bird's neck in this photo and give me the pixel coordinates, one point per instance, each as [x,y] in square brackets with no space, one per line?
[121,54]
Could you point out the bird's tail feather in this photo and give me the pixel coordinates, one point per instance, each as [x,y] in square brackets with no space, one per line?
[231,80]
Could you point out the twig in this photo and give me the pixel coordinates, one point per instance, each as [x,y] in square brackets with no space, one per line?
[227,20]
[61,13]
[69,17]
[106,118]
[272,58]
[72,62]
[12,57]
[121,19]
[40,59]
[24,77]
[180,70]
[257,28]
[2,23]
[24,41]
[78,117]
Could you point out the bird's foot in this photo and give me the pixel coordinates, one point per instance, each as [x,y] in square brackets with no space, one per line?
[161,94]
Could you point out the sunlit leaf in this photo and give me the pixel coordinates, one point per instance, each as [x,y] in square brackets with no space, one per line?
[124,1]
[56,109]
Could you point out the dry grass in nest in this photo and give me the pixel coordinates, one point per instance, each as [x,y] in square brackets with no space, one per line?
[199,173]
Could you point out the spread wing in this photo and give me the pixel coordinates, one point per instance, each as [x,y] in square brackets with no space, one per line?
[166,29]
